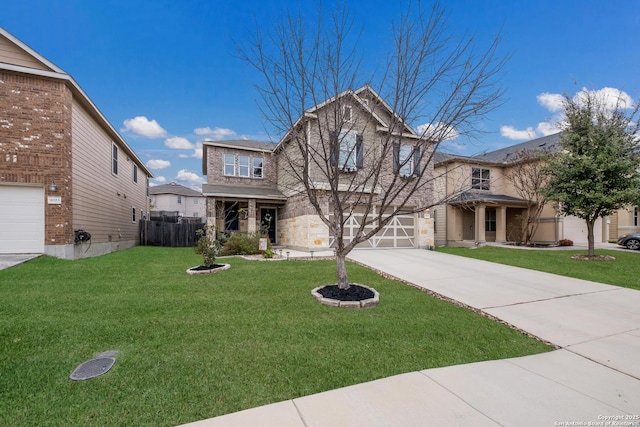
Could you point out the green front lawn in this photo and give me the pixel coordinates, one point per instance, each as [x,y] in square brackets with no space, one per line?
[193,347]
[624,271]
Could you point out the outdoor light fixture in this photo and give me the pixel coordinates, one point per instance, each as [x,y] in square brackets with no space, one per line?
[53,187]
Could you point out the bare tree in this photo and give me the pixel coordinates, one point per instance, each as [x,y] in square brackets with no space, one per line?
[310,72]
[528,176]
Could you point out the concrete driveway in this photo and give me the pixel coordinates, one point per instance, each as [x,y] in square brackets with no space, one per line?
[9,260]
[594,376]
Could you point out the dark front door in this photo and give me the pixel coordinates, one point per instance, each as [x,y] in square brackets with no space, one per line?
[231,222]
[268,222]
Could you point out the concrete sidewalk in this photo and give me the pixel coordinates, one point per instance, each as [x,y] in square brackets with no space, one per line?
[593,378]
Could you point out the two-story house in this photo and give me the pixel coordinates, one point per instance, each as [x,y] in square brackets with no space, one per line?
[253,184]
[173,197]
[482,205]
[63,167]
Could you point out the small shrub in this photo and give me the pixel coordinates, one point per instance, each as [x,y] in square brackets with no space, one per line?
[243,244]
[207,246]
[565,242]
[268,253]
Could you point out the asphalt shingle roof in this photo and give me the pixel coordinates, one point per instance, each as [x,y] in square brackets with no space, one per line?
[174,188]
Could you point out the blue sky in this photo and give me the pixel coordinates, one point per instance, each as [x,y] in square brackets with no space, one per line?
[165,73]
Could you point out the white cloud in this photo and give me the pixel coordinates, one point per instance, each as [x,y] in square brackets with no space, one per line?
[197,153]
[190,177]
[547,128]
[215,133]
[158,164]
[512,133]
[439,131]
[611,97]
[178,143]
[142,126]
[551,101]
[158,180]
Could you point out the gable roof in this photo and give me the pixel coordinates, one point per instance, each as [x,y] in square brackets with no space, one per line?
[174,188]
[549,143]
[358,99]
[19,52]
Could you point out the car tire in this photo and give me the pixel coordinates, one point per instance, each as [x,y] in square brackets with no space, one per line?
[632,244]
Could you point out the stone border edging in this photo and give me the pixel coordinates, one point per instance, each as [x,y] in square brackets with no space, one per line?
[370,302]
[215,270]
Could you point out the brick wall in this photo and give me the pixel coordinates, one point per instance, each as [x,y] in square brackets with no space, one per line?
[35,143]
[215,167]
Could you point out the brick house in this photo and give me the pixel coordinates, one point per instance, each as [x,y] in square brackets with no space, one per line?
[250,185]
[63,167]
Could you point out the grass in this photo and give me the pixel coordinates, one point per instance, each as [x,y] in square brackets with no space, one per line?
[193,347]
[624,271]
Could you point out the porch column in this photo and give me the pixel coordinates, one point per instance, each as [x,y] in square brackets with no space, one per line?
[211,212]
[251,219]
[501,224]
[480,224]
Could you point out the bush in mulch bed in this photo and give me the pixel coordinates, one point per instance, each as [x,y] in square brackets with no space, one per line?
[354,293]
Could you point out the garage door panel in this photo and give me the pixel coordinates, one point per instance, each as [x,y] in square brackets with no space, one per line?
[21,219]
[398,233]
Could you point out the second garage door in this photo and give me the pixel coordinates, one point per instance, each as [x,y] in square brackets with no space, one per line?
[21,219]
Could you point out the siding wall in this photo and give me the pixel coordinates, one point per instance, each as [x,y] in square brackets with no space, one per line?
[12,54]
[102,201]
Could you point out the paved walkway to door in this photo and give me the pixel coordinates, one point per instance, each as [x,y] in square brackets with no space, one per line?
[594,376]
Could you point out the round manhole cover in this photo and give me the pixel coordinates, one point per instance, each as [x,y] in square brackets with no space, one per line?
[92,368]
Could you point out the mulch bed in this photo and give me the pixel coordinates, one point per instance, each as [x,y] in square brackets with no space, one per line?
[206,267]
[354,293]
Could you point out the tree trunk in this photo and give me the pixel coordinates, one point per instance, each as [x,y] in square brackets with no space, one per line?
[591,251]
[341,270]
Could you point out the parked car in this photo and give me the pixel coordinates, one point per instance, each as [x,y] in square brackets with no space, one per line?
[630,241]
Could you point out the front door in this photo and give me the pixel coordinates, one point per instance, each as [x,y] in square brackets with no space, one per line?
[268,222]
[468,224]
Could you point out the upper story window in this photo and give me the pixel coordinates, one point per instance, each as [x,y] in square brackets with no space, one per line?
[229,164]
[351,156]
[114,159]
[179,199]
[243,166]
[133,214]
[257,167]
[135,173]
[346,113]
[406,160]
[480,179]
[247,166]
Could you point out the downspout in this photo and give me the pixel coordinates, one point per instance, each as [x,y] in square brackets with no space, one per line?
[446,208]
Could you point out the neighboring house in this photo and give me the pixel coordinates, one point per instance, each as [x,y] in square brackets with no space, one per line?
[178,198]
[250,187]
[63,167]
[483,206]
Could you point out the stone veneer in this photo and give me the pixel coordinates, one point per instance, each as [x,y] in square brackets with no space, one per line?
[305,231]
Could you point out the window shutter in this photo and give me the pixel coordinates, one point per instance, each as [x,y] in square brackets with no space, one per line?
[359,152]
[396,157]
[416,160]
[334,148]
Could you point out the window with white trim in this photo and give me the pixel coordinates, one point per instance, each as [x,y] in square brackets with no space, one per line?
[179,199]
[135,173]
[243,166]
[346,113]
[133,214]
[480,179]
[406,160]
[229,164]
[257,167]
[114,159]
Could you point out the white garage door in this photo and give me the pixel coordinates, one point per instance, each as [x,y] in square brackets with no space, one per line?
[399,233]
[575,229]
[21,219]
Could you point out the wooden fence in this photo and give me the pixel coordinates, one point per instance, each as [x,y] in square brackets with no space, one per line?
[159,233]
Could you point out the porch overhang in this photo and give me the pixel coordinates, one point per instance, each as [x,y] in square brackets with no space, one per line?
[472,198]
[243,192]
